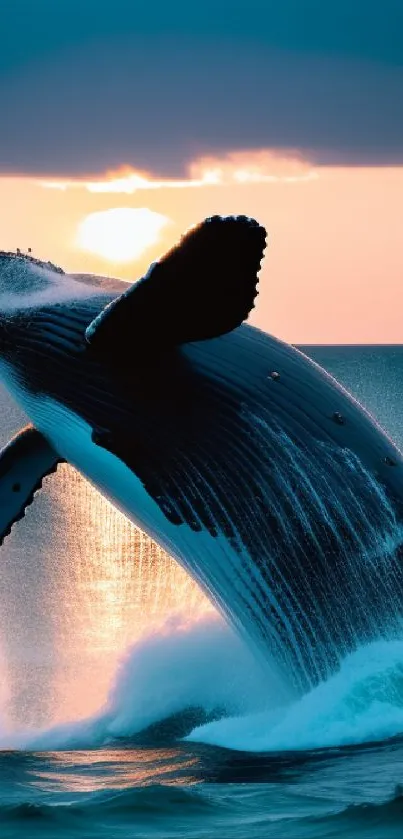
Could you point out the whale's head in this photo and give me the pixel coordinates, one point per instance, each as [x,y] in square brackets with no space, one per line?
[31,289]
[26,282]
[26,285]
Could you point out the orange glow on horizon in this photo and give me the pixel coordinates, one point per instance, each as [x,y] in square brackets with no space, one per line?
[334,263]
[259,166]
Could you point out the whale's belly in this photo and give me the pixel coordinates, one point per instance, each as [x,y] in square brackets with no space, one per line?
[225,576]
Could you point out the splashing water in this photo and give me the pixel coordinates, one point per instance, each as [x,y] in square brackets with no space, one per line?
[206,667]
[184,665]
[362,702]
[77,601]
[78,585]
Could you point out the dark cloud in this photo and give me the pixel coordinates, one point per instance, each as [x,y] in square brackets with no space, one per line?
[86,86]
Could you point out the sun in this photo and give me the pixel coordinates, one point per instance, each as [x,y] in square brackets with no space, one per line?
[121,234]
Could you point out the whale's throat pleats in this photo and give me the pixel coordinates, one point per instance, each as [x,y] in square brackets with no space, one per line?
[308,542]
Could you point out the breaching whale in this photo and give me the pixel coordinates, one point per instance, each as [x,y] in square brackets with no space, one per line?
[239,455]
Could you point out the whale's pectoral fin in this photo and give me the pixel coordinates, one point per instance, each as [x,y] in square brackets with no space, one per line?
[202,288]
[24,462]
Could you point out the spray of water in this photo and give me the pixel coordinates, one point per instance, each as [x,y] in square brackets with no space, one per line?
[172,666]
[204,666]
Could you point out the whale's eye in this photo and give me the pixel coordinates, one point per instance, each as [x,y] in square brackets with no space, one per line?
[16,487]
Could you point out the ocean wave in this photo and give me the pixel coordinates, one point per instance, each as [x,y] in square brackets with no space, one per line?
[362,702]
[169,681]
[94,811]
[200,682]
[201,811]
[379,819]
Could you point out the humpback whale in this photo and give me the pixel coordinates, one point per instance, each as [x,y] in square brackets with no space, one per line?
[233,450]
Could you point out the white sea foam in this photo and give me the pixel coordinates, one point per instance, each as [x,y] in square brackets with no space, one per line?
[362,702]
[205,665]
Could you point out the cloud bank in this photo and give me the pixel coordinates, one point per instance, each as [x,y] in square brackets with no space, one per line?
[83,93]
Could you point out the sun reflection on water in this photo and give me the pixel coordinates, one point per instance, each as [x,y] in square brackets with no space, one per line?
[90,771]
[119,586]
[78,585]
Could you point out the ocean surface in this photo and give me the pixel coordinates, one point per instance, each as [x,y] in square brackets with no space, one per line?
[128,708]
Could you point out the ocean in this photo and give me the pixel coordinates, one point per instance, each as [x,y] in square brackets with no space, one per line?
[129,709]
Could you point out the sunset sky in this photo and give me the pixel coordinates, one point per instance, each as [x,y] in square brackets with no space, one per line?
[152,116]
